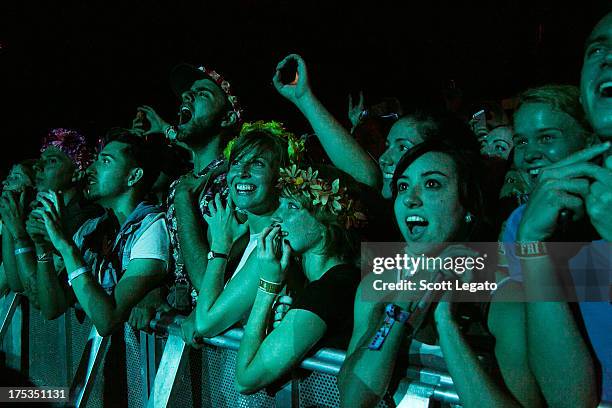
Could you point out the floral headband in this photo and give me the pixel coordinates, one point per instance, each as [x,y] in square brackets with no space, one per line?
[295,146]
[71,143]
[294,181]
[226,88]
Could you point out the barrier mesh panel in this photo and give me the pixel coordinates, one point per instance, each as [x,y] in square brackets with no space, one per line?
[321,390]
[10,353]
[47,358]
[134,366]
[208,382]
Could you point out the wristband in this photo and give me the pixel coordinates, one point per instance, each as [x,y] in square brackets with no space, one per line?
[213,255]
[23,250]
[393,313]
[533,249]
[77,272]
[270,287]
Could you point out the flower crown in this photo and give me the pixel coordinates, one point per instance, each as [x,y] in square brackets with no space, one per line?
[294,181]
[71,143]
[295,146]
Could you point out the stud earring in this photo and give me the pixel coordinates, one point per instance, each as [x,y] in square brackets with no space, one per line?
[468,217]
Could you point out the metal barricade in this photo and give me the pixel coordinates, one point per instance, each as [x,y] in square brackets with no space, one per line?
[69,352]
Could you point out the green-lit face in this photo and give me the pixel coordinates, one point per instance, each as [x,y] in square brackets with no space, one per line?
[17,179]
[55,170]
[303,231]
[108,176]
[427,207]
[252,178]
[596,78]
[403,135]
[201,109]
[497,143]
[542,136]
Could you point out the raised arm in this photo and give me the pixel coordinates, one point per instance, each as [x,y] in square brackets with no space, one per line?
[557,350]
[343,150]
[474,385]
[14,237]
[365,375]
[220,307]
[191,227]
[106,311]
[264,359]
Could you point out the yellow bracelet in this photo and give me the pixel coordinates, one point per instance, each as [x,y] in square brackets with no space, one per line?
[270,287]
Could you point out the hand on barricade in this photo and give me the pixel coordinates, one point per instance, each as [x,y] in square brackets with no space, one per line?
[188,332]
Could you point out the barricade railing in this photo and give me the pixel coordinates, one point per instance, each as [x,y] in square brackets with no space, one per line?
[175,379]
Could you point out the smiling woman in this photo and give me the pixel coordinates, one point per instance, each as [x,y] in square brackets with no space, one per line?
[549,125]
[255,158]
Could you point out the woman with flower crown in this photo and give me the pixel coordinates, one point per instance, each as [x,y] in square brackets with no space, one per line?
[255,158]
[317,220]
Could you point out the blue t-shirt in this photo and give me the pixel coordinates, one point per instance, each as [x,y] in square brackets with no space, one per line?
[597,316]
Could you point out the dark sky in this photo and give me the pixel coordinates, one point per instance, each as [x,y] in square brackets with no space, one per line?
[89,64]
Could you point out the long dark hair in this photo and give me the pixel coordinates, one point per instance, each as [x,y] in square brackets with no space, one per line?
[470,173]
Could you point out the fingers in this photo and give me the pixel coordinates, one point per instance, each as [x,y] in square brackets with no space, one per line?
[586,169]
[578,187]
[350,100]
[271,244]
[286,255]
[218,202]
[261,241]
[582,156]
[301,66]
[361,99]
[212,209]
[276,81]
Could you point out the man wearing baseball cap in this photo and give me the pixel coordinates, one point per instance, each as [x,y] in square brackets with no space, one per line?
[209,115]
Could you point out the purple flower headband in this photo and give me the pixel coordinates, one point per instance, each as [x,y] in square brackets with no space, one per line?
[71,143]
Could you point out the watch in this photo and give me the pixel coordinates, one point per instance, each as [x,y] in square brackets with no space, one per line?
[213,255]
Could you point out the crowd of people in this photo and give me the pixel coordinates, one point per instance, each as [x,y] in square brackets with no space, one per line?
[235,223]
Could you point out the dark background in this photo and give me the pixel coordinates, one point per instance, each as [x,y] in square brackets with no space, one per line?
[89,64]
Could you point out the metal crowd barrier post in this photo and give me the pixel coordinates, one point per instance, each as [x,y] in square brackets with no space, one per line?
[85,375]
[10,306]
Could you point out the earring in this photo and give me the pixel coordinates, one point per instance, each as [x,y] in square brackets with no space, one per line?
[468,217]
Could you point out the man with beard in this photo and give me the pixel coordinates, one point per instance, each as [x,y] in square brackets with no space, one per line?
[573,202]
[64,158]
[113,260]
[209,114]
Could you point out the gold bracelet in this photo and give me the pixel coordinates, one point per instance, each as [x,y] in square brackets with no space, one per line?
[270,287]
[533,249]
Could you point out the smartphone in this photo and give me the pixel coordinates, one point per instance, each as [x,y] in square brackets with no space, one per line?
[288,73]
[480,119]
